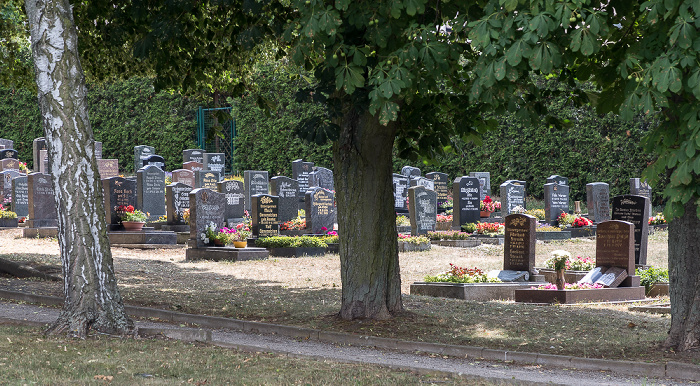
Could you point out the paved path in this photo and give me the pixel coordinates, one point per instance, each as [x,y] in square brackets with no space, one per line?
[468,368]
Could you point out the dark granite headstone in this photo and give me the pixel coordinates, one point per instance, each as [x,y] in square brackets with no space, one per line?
[206,206]
[9,164]
[598,201]
[556,201]
[641,188]
[206,179]
[196,155]
[422,181]
[410,171]
[42,211]
[557,179]
[184,176]
[6,178]
[519,242]
[38,145]
[150,191]
[466,195]
[320,210]
[264,215]
[20,196]
[484,182]
[512,195]
[192,166]
[255,182]
[235,198]
[108,168]
[154,160]
[98,150]
[177,200]
[7,143]
[321,178]
[441,183]
[422,209]
[634,209]
[141,152]
[44,161]
[215,162]
[8,153]
[300,172]
[286,189]
[400,183]
[615,245]
[118,191]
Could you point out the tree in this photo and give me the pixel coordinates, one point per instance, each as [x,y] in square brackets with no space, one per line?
[92,299]
[15,54]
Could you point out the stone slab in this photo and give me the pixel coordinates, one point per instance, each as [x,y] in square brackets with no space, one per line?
[226,253]
[144,237]
[297,252]
[560,235]
[579,296]
[40,232]
[468,291]
[468,243]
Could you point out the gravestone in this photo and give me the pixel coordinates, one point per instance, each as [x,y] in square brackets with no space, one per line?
[441,182]
[192,166]
[42,211]
[8,153]
[410,171]
[264,215]
[634,209]
[20,196]
[196,155]
[286,189]
[484,182]
[557,179]
[206,206]
[118,191]
[108,168]
[556,201]
[320,210]
[215,162]
[98,149]
[598,201]
[206,179]
[177,200]
[422,209]
[154,160]
[512,195]
[424,182]
[466,195]
[400,183]
[7,143]
[641,188]
[6,178]
[615,245]
[519,242]
[300,172]
[321,178]
[150,191]
[141,152]
[9,164]
[255,182]
[38,145]
[184,176]
[234,191]
[44,161]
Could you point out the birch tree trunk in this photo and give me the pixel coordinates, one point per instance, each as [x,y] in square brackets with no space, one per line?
[92,300]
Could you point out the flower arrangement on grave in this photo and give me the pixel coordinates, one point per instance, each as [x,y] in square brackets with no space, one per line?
[186,216]
[569,286]
[241,232]
[518,210]
[558,259]
[489,205]
[547,228]
[6,213]
[538,213]
[448,235]
[444,218]
[447,204]
[331,237]
[23,167]
[168,178]
[461,275]
[573,220]
[128,213]
[403,221]
[294,224]
[469,227]
[657,220]
[417,240]
[577,263]
[212,234]
[490,228]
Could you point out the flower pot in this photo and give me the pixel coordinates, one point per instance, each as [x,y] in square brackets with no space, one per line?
[218,243]
[240,244]
[133,226]
[485,213]
[560,279]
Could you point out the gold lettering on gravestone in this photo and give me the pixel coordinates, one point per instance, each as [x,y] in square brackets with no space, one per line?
[267,217]
[517,234]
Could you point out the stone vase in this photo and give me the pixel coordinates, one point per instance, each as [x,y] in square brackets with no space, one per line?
[560,279]
[133,226]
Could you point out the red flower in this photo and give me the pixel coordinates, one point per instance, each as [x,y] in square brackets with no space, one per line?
[130,209]
[487,200]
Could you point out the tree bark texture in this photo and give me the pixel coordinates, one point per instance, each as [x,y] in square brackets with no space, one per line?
[91,296]
[684,277]
[371,283]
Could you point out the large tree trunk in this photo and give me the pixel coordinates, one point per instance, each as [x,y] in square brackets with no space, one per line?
[91,296]
[684,271]
[366,218]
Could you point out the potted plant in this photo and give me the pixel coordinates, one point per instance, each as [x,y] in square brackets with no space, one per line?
[654,280]
[132,219]
[212,235]
[488,206]
[237,235]
[559,258]
[8,218]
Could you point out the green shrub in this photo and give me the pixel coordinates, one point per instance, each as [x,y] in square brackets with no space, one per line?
[291,242]
[648,277]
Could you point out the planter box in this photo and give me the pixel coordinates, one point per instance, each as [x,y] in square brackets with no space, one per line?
[297,252]
[333,248]
[470,291]
[571,276]
[405,246]
[588,231]
[9,222]
[658,289]
[579,296]
[468,243]
[546,236]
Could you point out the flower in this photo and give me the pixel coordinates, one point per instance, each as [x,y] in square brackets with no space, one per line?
[444,218]
[487,204]
[657,220]
[461,275]
[490,228]
[559,258]
[128,213]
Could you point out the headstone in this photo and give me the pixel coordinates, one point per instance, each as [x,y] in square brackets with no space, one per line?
[150,190]
[286,189]
[7,143]
[192,166]
[424,182]
[466,195]
[300,172]
[512,195]
[9,164]
[321,178]
[44,161]
[264,215]
[108,168]
[422,209]
[98,149]
[400,183]
[196,155]
[118,191]
[206,206]
[557,179]
[215,162]
[38,145]
[615,245]
[255,182]
[612,277]
[206,179]
[320,210]
[634,209]
[484,182]
[184,176]
[410,171]
[556,201]
[509,276]
[141,152]
[8,153]
[598,201]
[441,182]
[234,191]
[20,196]
[154,160]
[593,275]
[177,200]
[519,242]
[6,178]
[641,188]
[42,211]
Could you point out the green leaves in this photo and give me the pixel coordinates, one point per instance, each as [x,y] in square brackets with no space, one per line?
[349,77]
[583,40]
[545,57]
[666,76]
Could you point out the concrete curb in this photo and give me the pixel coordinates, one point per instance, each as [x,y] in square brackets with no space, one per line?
[669,370]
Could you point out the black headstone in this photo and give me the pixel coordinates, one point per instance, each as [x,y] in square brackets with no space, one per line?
[141,152]
[598,201]
[634,209]
[150,190]
[400,183]
[215,162]
[6,178]
[8,153]
[484,182]
[264,215]
[118,191]
[234,192]
[154,160]
[20,196]
[42,204]
[557,179]
[320,210]
[255,182]
[466,195]
[206,179]
[300,172]
[512,195]
[196,155]
[286,189]
[206,206]
[441,183]
[519,242]
[556,201]
[177,200]
[422,209]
